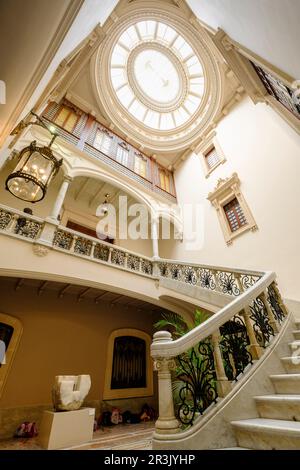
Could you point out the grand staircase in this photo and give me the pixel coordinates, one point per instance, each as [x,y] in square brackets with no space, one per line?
[278,426]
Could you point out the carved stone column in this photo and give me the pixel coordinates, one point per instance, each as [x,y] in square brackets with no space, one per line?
[154,236]
[166,423]
[60,198]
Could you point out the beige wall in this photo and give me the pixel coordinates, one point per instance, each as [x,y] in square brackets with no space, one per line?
[60,336]
[264,151]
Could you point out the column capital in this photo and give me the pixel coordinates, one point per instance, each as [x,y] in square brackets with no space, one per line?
[68,178]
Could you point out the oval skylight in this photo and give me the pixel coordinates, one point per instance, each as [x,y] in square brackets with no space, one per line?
[156,75]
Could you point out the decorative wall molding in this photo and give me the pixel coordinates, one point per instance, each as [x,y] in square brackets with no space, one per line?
[225,191]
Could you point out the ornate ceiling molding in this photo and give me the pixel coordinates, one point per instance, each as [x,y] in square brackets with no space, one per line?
[158,140]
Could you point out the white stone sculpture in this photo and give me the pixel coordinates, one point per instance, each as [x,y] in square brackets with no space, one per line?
[69,391]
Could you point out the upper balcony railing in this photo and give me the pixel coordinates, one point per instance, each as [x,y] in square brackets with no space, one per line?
[82,130]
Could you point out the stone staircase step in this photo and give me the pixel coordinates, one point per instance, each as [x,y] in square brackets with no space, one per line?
[286,407]
[267,434]
[291,364]
[295,346]
[296,334]
[286,383]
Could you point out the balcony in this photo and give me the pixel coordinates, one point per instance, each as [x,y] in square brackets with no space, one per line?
[82,130]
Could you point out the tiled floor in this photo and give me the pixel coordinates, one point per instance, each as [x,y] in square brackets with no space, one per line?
[122,436]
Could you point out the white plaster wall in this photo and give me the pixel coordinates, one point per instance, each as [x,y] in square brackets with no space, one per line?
[270,28]
[264,151]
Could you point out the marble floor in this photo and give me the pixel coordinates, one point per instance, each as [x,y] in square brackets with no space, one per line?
[122,436]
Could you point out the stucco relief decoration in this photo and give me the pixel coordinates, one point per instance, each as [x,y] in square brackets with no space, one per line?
[70,391]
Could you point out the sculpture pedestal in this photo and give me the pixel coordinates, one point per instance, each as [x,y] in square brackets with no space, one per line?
[63,429]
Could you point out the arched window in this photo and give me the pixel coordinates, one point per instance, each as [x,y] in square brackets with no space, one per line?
[129,367]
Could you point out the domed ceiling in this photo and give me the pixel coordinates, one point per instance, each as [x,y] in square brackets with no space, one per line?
[156,75]
[156,78]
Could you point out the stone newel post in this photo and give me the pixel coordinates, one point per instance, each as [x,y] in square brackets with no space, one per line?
[166,423]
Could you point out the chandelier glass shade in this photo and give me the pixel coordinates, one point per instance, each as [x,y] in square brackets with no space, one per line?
[35,169]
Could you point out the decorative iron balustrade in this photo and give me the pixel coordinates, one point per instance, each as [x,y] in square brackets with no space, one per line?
[5,218]
[19,223]
[276,88]
[212,357]
[195,384]
[76,244]
[217,279]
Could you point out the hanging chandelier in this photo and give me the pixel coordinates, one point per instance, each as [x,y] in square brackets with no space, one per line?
[36,168]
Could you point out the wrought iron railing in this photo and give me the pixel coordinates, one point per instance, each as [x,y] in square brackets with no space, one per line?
[205,363]
[223,280]
[94,249]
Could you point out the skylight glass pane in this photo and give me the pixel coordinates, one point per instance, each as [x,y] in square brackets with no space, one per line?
[118,78]
[138,110]
[166,122]
[146,28]
[197,80]
[152,119]
[191,105]
[165,33]
[119,56]
[197,88]
[125,95]
[130,37]
[182,47]
[180,116]
[194,66]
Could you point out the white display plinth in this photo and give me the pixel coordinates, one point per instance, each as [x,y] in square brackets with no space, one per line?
[63,429]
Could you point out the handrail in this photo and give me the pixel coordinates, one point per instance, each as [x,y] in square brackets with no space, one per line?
[207,266]
[34,218]
[102,242]
[207,328]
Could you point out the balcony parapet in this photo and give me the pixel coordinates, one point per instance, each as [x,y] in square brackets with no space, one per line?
[83,135]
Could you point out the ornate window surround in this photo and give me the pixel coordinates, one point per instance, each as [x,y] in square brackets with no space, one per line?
[110,394]
[12,347]
[226,190]
[207,145]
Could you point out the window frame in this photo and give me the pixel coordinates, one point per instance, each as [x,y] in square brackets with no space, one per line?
[111,394]
[225,191]
[70,110]
[105,135]
[210,142]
